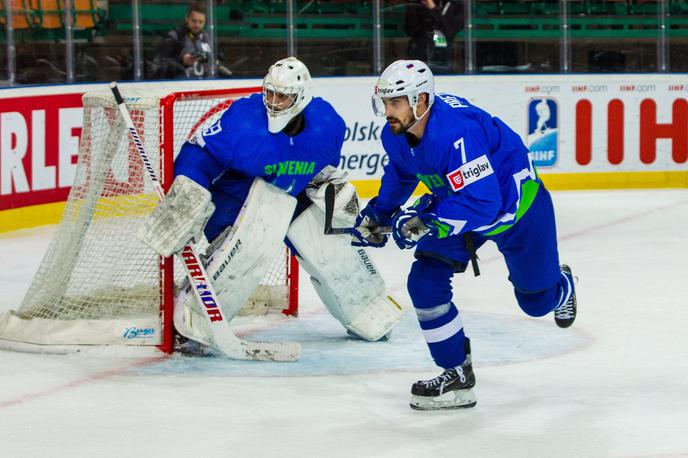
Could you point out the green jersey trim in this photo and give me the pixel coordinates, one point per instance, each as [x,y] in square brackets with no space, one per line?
[529,190]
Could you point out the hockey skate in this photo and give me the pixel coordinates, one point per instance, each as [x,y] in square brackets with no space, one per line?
[190,347]
[355,336]
[565,315]
[450,390]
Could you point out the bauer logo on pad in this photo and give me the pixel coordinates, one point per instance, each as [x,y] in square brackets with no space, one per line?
[470,172]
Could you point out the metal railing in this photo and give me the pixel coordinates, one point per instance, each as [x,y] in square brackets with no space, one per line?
[340,38]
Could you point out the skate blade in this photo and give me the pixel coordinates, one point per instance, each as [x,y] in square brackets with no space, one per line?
[458,399]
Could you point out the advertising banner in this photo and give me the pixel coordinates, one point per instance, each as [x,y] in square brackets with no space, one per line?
[39,145]
[571,124]
[574,126]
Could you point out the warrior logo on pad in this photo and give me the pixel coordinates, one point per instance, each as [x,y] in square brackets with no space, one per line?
[470,172]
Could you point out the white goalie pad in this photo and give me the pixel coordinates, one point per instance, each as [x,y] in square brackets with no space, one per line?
[344,277]
[241,261]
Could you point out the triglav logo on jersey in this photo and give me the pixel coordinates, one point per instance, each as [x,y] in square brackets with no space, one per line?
[470,172]
[543,131]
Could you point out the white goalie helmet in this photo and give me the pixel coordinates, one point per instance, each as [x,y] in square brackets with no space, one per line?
[404,77]
[290,77]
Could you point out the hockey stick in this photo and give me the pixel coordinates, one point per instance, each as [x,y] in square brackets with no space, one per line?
[329,215]
[224,338]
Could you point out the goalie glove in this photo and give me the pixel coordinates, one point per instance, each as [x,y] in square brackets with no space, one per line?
[409,226]
[367,223]
[346,203]
[328,174]
[178,218]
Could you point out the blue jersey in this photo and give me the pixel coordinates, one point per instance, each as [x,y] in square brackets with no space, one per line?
[228,155]
[477,167]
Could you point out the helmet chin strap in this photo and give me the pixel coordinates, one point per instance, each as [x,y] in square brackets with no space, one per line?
[414,109]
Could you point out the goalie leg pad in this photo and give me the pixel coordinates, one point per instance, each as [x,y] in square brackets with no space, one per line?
[344,277]
[240,262]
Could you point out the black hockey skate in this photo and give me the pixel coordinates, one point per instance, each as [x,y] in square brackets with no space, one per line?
[355,336]
[450,390]
[565,315]
[190,347]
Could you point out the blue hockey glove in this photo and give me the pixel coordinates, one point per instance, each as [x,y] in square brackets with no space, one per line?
[414,223]
[368,222]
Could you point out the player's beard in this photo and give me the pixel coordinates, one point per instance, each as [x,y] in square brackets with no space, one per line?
[401,125]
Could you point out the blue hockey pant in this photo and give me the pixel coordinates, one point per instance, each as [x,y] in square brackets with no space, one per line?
[530,252]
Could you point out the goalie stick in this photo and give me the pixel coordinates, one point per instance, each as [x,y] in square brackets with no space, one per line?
[224,338]
[329,214]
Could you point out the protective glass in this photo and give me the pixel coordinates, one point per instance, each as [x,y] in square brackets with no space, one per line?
[378,105]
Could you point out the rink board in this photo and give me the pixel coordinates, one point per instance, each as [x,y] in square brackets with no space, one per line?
[583,131]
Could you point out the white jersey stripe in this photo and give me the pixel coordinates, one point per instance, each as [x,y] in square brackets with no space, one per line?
[456,224]
[444,332]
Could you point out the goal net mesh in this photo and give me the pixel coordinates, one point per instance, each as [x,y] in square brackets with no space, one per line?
[97,283]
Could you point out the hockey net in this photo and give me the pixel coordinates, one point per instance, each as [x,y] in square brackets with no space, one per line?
[97,283]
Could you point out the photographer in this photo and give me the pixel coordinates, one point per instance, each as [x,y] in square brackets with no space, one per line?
[432,25]
[185,52]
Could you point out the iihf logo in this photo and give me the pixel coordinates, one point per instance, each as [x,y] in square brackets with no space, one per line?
[543,131]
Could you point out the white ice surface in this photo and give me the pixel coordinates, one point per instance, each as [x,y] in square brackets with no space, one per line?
[614,385]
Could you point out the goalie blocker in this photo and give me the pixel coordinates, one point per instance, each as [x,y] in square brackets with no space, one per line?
[344,277]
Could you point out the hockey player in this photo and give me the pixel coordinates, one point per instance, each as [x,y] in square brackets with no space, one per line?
[483,187]
[254,178]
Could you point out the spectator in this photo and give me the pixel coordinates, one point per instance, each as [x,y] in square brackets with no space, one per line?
[185,51]
[432,25]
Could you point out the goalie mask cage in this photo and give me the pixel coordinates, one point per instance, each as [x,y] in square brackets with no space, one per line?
[98,284]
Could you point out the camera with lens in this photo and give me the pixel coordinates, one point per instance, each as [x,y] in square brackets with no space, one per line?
[203,56]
